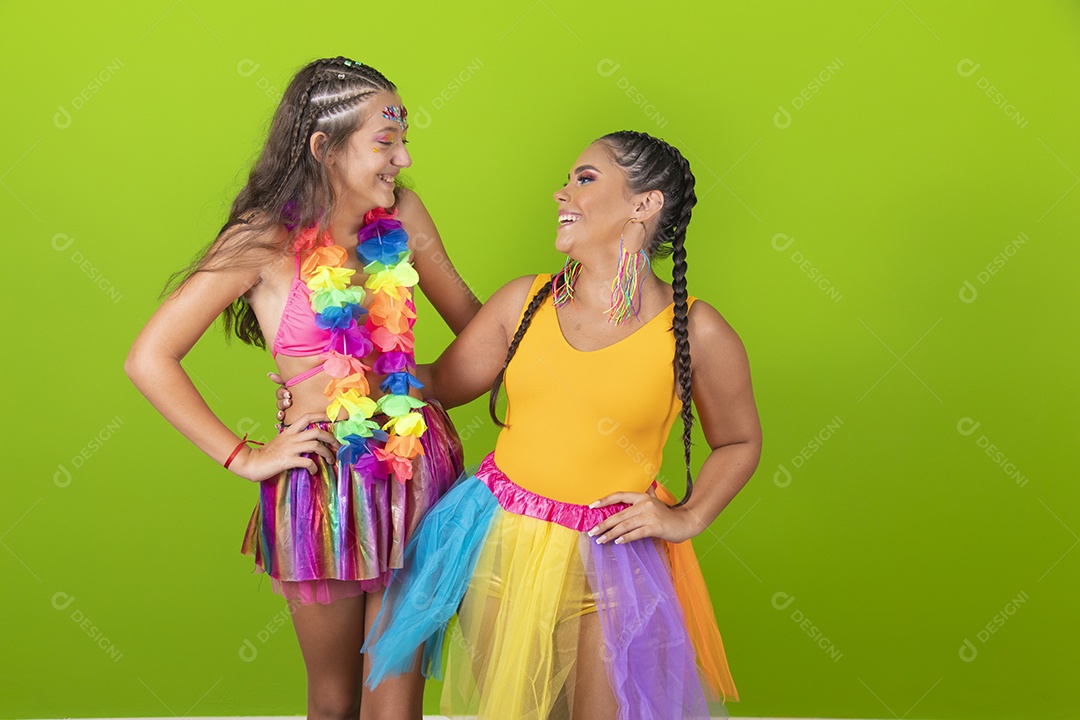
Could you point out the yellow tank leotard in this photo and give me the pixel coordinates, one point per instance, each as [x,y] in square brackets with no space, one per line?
[583,425]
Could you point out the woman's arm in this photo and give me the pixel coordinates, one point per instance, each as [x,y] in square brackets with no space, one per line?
[439,279]
[724,399]
[153,364]
[468,367]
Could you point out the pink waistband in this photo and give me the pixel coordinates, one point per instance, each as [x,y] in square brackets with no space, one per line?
[516,499]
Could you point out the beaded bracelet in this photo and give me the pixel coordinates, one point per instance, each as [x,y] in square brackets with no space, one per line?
[236,450]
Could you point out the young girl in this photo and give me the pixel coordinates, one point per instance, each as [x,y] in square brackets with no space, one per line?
[576,591]
[313,265]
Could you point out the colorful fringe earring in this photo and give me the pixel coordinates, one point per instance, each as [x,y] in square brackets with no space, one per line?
[562,285]
[626,287]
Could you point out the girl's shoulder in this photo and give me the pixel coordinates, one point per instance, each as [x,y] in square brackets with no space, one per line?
[256,226]
[251,241]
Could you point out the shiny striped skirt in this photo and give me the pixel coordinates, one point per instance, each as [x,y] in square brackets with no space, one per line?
[334,533]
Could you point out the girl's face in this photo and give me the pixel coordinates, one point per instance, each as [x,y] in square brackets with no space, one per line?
[594,205]
[365,169]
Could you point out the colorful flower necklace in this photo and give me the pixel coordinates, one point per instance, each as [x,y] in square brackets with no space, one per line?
[382,246]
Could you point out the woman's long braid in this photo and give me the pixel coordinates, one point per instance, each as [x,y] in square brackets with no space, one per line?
[652,164]
[679,324]
[526,320]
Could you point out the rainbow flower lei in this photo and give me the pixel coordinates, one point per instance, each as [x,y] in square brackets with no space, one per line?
[382,246]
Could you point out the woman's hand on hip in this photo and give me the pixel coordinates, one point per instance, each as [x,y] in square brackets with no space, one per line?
[647,516]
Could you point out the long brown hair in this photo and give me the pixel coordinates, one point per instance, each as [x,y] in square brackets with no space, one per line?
[288,187]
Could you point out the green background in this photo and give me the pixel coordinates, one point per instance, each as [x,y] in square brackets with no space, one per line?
[855,179]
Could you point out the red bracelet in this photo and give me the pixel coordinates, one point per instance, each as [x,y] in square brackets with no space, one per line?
[236,450]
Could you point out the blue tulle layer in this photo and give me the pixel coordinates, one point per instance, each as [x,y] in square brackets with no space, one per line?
[440,558]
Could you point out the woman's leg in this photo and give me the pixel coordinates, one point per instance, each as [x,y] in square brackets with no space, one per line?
[330,637]
[397,698]
[590,696]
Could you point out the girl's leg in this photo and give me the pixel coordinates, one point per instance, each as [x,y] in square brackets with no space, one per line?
[400,697]
[330,637]
[591,697]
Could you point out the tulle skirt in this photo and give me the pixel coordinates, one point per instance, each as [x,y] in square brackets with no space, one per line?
[333,533]
[534,615]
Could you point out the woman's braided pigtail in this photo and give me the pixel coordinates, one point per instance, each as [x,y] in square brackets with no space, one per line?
[526,320]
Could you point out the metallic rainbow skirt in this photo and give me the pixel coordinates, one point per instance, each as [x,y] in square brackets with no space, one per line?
[334,533]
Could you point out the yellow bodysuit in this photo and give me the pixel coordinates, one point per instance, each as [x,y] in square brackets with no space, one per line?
[595,411]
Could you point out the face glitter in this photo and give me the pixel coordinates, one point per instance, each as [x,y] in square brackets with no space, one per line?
[398,115]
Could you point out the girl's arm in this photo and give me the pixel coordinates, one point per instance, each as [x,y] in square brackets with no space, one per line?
[724,400]
[439,280]
[467,369]
[153,364]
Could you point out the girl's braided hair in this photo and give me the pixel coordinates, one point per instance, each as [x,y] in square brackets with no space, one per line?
[287,185]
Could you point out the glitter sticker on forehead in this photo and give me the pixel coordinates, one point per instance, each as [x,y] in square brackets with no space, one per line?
[397,114]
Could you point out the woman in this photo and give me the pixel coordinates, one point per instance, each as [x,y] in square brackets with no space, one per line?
[575,590]
[311,264]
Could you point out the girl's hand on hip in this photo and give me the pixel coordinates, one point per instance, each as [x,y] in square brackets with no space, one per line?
[647,516]
[287,450]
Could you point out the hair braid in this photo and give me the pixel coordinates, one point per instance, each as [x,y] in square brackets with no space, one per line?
[288,189]
[526,320]
[680,324]
[301,132]
[652,164]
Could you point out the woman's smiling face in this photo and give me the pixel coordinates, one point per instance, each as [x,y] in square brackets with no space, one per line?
[594,204]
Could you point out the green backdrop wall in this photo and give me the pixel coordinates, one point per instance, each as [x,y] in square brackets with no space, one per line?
[888,210]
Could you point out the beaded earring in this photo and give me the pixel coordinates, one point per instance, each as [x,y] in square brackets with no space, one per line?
[562,285]
[626,287]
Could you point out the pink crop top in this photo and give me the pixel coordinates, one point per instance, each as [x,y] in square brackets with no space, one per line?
[298,335]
